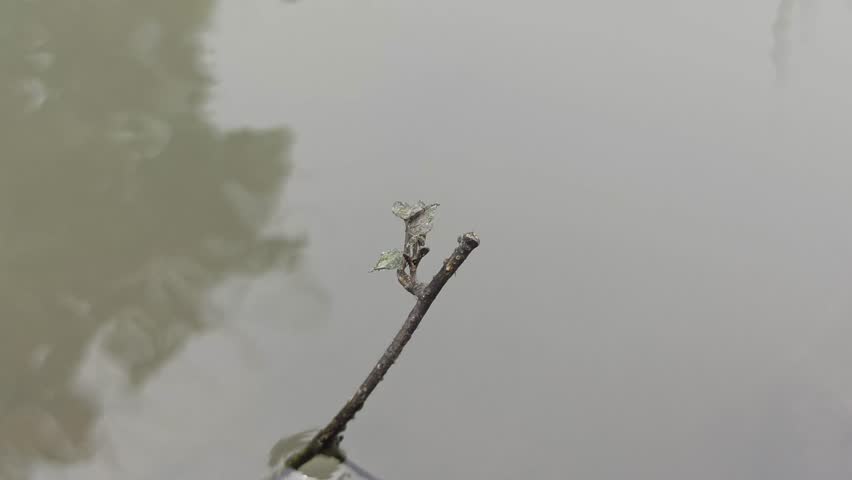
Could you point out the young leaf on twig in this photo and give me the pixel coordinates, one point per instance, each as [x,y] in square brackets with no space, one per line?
[420,223]
[390,260]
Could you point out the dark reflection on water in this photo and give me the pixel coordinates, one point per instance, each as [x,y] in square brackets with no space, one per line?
[781,36]
[120,206]
[792,17]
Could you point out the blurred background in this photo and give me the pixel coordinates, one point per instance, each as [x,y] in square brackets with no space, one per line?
[192,194]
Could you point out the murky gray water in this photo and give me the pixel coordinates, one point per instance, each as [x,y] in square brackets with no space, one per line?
[193,193]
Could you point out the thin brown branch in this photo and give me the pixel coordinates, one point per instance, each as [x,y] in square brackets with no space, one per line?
[328,439]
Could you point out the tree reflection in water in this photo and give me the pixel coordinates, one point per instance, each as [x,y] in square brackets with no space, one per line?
[790,16]
[120,206]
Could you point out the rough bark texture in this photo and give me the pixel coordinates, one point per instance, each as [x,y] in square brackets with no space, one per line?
[327,439]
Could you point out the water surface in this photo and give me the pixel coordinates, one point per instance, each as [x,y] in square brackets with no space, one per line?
[661,190]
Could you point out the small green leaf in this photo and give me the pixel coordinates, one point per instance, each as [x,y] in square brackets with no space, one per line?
[420,223]
[320,467]
[404,210]
[287,446]
[390,260]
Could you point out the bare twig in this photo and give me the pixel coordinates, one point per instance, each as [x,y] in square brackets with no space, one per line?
[328,439]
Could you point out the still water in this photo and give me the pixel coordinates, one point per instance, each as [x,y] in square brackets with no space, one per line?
[193,193]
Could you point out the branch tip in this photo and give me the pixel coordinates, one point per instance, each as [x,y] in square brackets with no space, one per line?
[469,239]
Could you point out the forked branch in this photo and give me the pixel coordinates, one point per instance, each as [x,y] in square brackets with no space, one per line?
[418,222]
